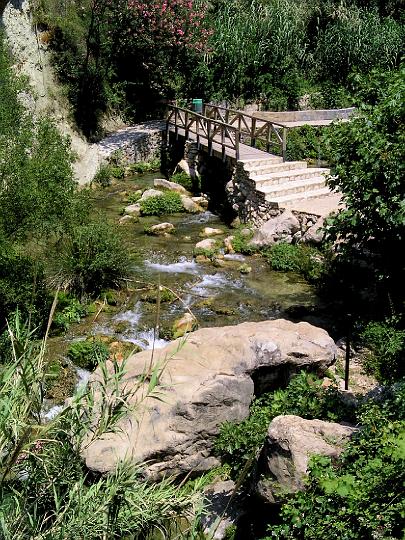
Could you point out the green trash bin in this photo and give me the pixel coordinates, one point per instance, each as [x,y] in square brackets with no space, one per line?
[197,106]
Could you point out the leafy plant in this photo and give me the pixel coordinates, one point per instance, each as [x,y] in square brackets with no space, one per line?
[69,310]
[306,260]
[167,203]
[143,167]
[360,495]
[241,239]
[238,444]
[386,359]
[186,181]
[94,258]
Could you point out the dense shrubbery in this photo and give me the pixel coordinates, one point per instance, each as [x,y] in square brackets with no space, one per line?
[237,444]
[386,358]
[94,259]
[359,497]
[300,258]
[42,214]
[131,56]
[167,203]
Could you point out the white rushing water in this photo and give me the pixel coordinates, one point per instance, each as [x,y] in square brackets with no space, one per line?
[183,266]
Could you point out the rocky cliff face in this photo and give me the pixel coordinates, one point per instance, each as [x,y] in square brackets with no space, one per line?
[205,380]
[32,60]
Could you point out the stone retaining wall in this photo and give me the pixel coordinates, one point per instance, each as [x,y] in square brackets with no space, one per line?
[142,142]
[252,207]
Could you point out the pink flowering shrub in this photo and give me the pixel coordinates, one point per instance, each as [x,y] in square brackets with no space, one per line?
[171,23]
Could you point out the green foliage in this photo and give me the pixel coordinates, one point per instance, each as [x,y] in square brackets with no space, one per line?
[307,142]
[134,197]
[146,166]
[386,359]
[94,258]
[240,242]
[69,310]
[238,444]
[360,495]
[167,203]
[46,492]
[300,258]
[368,154]
[191,184]
[379,43]
[88,354]
[22,285]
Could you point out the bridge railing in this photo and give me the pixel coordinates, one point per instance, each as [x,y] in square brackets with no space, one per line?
[214,131]
[252,130]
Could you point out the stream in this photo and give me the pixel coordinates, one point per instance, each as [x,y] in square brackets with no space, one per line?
[217,296]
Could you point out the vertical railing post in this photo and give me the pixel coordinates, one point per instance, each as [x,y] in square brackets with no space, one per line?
[186,125]
[284,148]
[209,138]
[176,127]
[253,132]
[197,130]
[237,136]
[268,138]
[223,142]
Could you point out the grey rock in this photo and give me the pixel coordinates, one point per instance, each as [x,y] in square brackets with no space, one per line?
[290,443]
[207,379]
[280,228]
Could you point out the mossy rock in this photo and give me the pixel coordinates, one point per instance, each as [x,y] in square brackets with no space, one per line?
[60,380]
[166,296]
[88,354]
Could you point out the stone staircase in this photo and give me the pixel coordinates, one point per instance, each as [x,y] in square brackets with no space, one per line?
[283,184]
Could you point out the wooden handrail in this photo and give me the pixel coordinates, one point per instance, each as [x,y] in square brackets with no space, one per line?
[218,127]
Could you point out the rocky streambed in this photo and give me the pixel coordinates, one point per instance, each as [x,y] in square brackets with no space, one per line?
[215,295]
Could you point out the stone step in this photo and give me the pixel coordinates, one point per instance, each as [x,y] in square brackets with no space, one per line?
[285,177]
[289,175]
[285,201]
[298,186]
[260,162]
[259,170]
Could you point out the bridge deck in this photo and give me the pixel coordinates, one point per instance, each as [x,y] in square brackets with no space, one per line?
[246,152]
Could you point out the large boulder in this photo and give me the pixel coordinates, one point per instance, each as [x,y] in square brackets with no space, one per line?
[279,229]
[210,231]
[162,183]
[290,443]
[224,506]
[150,193]
[315,234]
[204,380]
[190,206]
[133,210]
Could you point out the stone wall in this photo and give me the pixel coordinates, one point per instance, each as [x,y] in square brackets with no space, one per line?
[251,206]
[142,142]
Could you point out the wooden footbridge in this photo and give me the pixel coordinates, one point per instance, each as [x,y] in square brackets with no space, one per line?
[258,147]
[229,133]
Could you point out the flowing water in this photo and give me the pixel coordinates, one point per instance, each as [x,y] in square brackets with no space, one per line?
[216,296]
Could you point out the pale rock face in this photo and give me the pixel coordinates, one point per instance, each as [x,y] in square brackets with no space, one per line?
[185,324]
[162,183]
[315,234]
[133,210]
[126,219]
[190,206]
[207,244]
[162,229]
[224,507]
[290,443]
[207,378]
[280,228]
[201,201]
[209,231]
[150,193]
[228,245]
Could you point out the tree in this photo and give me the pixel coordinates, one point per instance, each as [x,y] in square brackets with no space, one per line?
[368,153]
